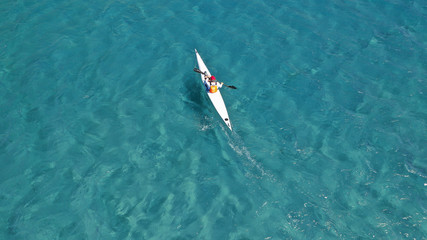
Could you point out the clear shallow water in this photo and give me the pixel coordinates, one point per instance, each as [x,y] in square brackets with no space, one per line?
[106,132]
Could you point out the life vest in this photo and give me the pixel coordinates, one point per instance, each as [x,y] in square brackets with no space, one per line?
[213,89]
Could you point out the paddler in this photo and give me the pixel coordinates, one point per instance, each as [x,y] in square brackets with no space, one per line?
[212,84]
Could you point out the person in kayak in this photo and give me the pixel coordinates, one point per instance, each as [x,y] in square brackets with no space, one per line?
[212,84]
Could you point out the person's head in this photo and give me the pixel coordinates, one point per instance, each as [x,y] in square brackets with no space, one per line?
[213,78]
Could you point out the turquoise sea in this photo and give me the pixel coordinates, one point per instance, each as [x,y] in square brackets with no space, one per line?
[106,132]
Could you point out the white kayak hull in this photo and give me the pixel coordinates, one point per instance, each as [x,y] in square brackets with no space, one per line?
[216,98]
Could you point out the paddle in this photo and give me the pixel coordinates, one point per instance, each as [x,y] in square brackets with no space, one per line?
[198,71]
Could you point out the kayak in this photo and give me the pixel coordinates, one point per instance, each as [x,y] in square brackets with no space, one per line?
[216,97]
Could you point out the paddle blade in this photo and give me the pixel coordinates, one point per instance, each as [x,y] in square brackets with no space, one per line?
[197,70]
[232,87]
